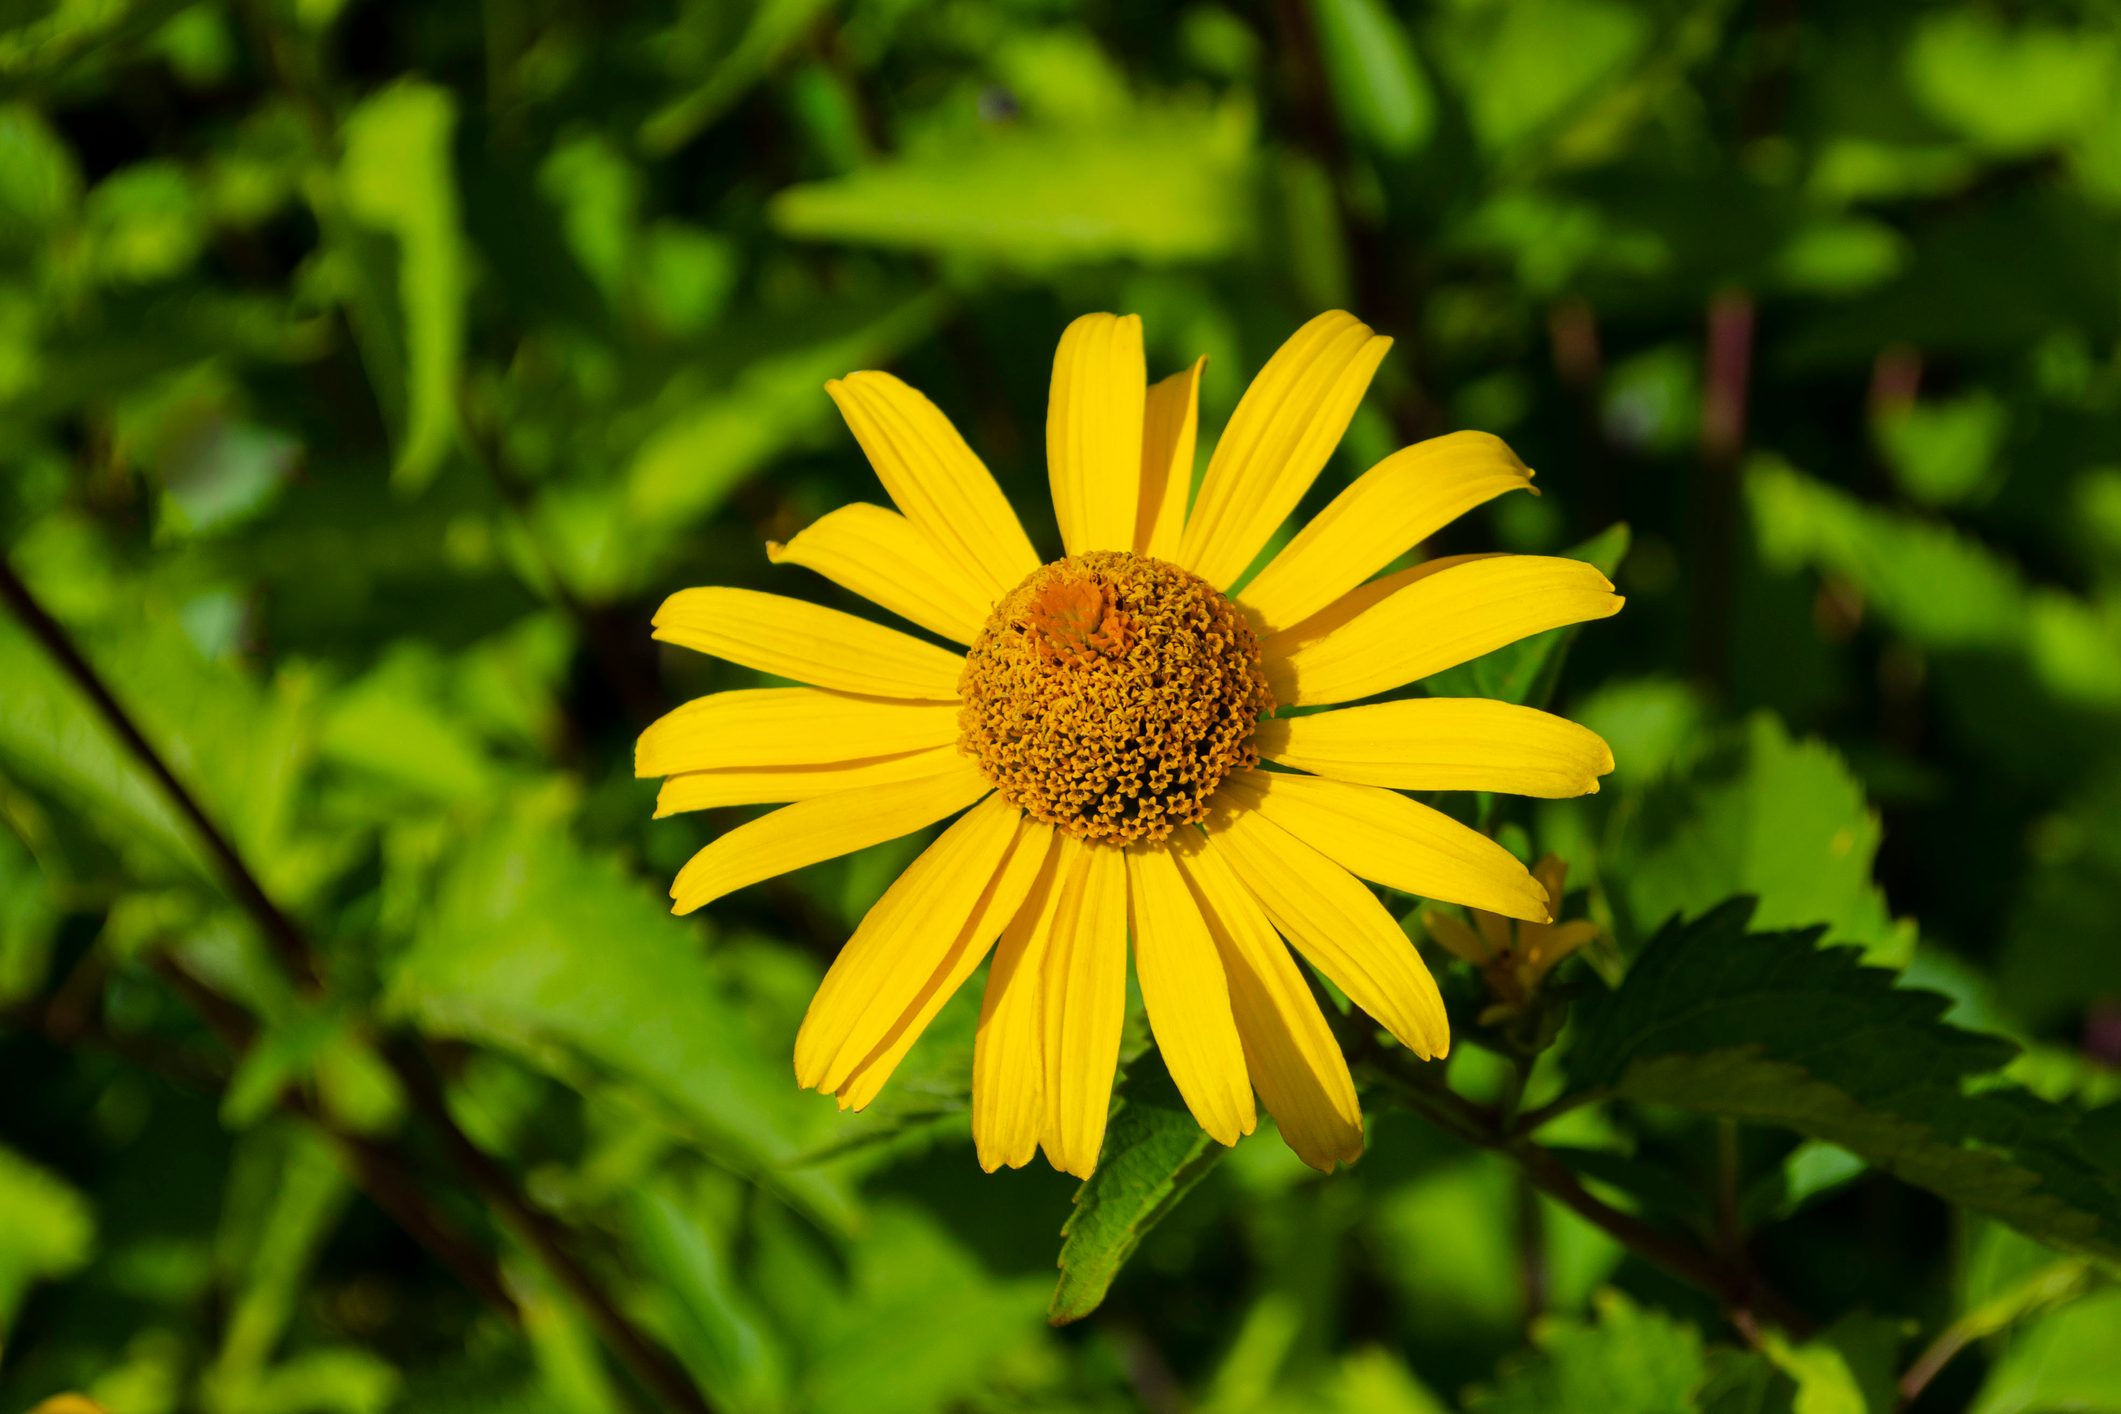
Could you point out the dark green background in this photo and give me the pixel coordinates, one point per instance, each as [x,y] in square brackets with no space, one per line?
[368,372]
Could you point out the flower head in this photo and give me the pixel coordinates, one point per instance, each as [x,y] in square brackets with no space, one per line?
[1098,734]
[1514,955]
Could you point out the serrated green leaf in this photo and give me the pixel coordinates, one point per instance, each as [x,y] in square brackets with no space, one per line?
[1155,1152]
[1631,1361]
[1760,814]
[1773,1029]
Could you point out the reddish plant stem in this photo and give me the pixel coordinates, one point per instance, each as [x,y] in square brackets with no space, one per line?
[1728,375]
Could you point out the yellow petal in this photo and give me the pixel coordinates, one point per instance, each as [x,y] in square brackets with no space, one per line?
[1170,427]
[1456,937]
[1391,508]
[1278,440]
[1004,897]
[1338,924]
[1436,621]
[936,480]
[1387,838]
[776,785]
[1094,431]
[1290,1054]
[1186,996]
[1442,743]
[891,562]
[1008,1058]
[808,642]
[1083,1007]
[788,726]
[1360,600]
[825,828]
[895,951]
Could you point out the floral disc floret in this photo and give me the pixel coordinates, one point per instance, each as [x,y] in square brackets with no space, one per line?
[1110,694]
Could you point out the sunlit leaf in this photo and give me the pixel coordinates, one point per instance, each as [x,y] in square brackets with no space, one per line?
[399,177]
[1774,1029]
[1172,186]
[2011,88]
[1376,79]
[1154,1153]
[1761,814]
[536,947]
[51,1231]
[1632,1361]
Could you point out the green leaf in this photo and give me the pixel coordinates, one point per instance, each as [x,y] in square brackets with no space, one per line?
[144,223]
[708,445]
[241,750]
[1774,1029]
[1524,68]
[2063,1361]
[1944,452]
[1762,815]
[1526,671]
[50,1230]
[775,26]
[727,1345]
[1167,186]
[393,724]
[286,1193]
[398,176]
[918,1327]
[2010,88]
[1375,79]
[2071,647]
[1155,1151]
[536,947]
[28,919]
[39,182]
[1809,1172]
[1847,1369]
[1631,1361]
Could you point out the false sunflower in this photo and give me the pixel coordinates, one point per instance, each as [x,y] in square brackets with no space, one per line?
[1098,731]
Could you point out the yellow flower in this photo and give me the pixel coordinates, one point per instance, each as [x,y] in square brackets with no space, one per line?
[1514,955]
[1100,728]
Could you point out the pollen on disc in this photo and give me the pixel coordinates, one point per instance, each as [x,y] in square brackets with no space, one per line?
[1110,694]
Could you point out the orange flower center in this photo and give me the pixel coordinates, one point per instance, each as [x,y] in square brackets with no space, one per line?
[1110,694]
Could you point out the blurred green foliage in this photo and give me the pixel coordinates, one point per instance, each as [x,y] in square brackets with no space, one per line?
[369,371]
